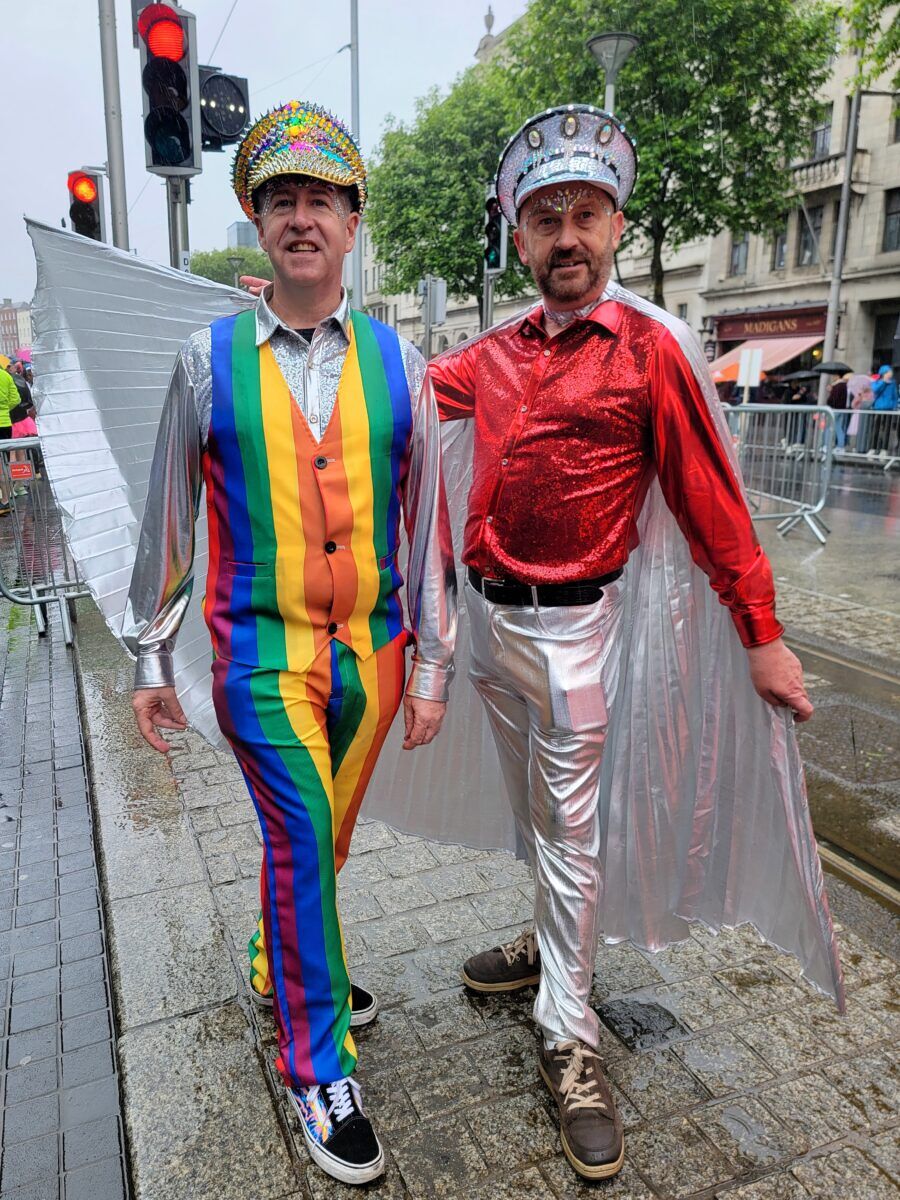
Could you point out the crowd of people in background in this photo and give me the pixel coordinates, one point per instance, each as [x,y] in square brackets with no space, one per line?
[862,405]
[16,418]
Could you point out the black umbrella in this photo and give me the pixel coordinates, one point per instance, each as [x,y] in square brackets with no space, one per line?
[799,377]
[833,368]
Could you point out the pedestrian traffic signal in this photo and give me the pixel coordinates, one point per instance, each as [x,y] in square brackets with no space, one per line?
[168,41]
[86,210]
[224,108]
[495,236]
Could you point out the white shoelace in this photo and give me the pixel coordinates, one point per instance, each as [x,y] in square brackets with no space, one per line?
[342,1093]
[525,942]
[579,1085]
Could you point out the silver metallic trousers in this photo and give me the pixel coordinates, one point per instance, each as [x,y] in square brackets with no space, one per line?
[545,675]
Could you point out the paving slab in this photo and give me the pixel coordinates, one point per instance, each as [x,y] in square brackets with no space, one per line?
[200,1117]
[732,1077]
[55,1002]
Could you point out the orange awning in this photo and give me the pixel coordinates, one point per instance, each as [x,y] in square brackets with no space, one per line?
[775,351]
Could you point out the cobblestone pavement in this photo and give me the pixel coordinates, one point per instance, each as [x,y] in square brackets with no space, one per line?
[61,1123]
[734,1078]
[725,1066]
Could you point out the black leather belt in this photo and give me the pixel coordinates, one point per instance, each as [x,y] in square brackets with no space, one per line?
[543,595]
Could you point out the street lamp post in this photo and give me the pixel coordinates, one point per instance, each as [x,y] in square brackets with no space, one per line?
[611,50]
[235,262]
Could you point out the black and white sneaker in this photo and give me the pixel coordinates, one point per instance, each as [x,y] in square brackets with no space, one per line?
[364,1006]
[338,1134]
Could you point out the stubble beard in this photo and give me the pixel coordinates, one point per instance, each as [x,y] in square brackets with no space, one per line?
[599,268]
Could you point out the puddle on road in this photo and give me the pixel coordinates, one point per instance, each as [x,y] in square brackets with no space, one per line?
[751,1137]
[640,1024]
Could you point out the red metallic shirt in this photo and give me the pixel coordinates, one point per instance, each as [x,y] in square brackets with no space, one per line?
[569,431]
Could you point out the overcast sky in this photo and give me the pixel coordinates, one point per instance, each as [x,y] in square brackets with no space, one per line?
[51,97]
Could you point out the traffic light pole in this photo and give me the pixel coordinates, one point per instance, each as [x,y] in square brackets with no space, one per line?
[487,302]
[179,246]
[356,257]
[112,104]
[426,306]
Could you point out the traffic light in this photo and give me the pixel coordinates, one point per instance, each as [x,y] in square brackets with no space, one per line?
[86,209]
[224,108]
[495,236]
[169,73]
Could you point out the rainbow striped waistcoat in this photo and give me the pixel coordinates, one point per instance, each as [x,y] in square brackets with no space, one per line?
[303,535]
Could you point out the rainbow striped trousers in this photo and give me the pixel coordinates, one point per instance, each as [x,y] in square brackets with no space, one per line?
[307,744]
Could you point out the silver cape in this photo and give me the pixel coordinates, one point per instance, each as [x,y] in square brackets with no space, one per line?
[704,816]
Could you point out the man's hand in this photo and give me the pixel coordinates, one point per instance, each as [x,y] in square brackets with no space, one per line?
[157,707]
[778,677]
[423,720]
[253,285]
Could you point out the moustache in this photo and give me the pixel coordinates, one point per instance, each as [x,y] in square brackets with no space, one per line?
[565,260]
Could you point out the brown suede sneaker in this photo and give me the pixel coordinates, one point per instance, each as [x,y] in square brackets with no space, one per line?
[590,1128]
[505,968]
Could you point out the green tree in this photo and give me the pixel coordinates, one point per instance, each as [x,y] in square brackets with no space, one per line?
[878,51]
[214,264]
[426,188]
[719,95]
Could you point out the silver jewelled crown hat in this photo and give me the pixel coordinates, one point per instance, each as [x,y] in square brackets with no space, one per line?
[575,143]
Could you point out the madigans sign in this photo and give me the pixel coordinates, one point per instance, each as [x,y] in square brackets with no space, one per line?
[771,324]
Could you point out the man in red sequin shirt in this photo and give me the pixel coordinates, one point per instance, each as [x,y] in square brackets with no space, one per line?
[578,407]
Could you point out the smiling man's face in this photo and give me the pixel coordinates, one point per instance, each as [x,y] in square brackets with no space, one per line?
[306,227]
[567,235]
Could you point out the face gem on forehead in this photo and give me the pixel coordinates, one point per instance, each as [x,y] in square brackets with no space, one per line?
[564,198]
[341,202]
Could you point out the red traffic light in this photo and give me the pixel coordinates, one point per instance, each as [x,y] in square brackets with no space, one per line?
[82,187]
[162,31]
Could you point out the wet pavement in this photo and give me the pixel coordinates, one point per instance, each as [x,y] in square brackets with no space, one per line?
[733,1077]
[62,1130]
[840,604]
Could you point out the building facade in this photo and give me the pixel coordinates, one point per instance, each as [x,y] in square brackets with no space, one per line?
[9,328]
[736,287]
[23,319]
[242,234]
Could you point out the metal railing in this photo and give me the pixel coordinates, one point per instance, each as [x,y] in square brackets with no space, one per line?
[44,571]
[786,453]
[868,437]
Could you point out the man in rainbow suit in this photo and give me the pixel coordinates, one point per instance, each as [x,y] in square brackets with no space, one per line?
[314,429]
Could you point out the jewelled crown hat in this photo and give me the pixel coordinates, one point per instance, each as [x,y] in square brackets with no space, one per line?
[575,143]
[296,139]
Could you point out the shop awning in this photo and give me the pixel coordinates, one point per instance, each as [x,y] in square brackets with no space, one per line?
[775,351]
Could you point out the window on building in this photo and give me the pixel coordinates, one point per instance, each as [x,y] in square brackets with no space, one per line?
[810,232]
[886,326]
[895,121]
[366,280]
[779,247]
[737,263]
[820,143]
[891,239]
[835,223]
[682,312]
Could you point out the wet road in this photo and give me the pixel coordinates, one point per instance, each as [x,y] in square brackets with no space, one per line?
[866,490]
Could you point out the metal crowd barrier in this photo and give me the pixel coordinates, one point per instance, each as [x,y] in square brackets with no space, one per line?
[45,572]
[865,436]
[786,453]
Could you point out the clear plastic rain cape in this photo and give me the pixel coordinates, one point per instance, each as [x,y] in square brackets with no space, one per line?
[704,810]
